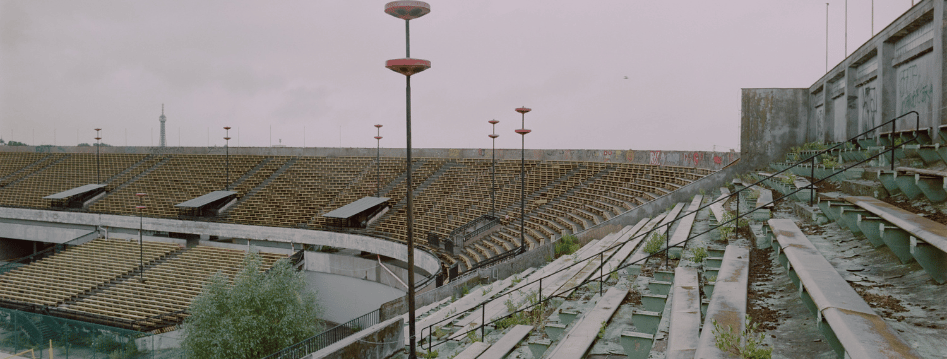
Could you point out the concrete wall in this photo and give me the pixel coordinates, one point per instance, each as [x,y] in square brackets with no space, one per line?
[900,69]
[702,159]
[376,342]
[772,121]
[423,259]
[41,231]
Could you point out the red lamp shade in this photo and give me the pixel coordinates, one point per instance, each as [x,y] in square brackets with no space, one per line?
[377,137]
[494,122]
[494,135]
[379,126]
[523,131]
[407,10]
[226,127]
[523,110]
[407,67]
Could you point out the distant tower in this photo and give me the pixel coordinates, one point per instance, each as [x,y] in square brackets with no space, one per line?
[162,142]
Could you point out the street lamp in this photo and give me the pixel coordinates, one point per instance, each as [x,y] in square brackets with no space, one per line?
[407,66]
[227,146]
[141,221]
[493,168]
[98,169]
[378,161]
[523,131]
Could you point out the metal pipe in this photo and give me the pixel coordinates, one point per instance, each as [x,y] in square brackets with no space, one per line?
[523,186]
[411,314]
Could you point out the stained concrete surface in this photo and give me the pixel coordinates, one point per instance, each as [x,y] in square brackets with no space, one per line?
[346,298]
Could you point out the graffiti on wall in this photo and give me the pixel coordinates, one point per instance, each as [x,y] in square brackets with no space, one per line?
[868,101]
[655,158]
[819,122]
[915,87]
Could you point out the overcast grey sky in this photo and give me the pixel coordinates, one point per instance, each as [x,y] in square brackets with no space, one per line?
[76,65]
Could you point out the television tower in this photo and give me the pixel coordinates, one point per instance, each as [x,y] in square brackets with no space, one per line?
[162,142]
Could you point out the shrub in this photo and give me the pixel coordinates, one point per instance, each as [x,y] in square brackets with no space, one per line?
[747,344]
[698,254]
[568,244]
[655,243]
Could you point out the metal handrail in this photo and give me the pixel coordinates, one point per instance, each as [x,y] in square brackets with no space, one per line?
[600,255]
[328,337]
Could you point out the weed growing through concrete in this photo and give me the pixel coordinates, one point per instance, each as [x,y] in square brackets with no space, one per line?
[698,254]
[747,344]
[568,244]
[654,243]
[601,330]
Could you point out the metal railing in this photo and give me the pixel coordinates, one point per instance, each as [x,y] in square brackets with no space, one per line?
[601,255]
[328,337]
[462,234]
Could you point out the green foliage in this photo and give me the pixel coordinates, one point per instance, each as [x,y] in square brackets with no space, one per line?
[15,143]
[747,344]
[486,289]
[829,161]
[516,279]
[712,278]
[429,355]
[726,229]
[439,332]
[655,243]
[534,316]
[698,254]
[601,330]
[328,249]
[674,255]
[464,291]
[472,335]
[568,244]
[229,320]
[789,179]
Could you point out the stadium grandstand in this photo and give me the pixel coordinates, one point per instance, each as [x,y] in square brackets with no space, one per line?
[824,237]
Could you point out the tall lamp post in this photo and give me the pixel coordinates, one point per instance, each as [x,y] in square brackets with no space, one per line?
[141,221]
[493,168]
[98,168]
[227,146]
[407,66]
[378,161]
[523,131]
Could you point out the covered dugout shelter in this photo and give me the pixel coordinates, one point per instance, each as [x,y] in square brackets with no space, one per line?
[359,214]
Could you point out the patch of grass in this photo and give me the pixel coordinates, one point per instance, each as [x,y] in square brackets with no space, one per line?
[473,337]
[698,254]
[429,355]
[655,243]
[568,244]
[601,330]
[747,344]
[464,291]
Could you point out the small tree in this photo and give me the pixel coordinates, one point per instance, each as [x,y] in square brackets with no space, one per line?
[258,314]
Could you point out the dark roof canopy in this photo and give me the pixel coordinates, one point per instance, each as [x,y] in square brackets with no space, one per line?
[356,207]
[205,199]
[75,191]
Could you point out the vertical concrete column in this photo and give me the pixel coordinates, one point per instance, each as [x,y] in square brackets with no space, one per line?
[887,83]
[939,98]
[851,110]
[828,125]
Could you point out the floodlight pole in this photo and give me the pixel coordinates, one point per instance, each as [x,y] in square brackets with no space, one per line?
[378,160]
[493,168]
[407,66]
[98,167]
[523,131]
[141,225]
[227,146]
